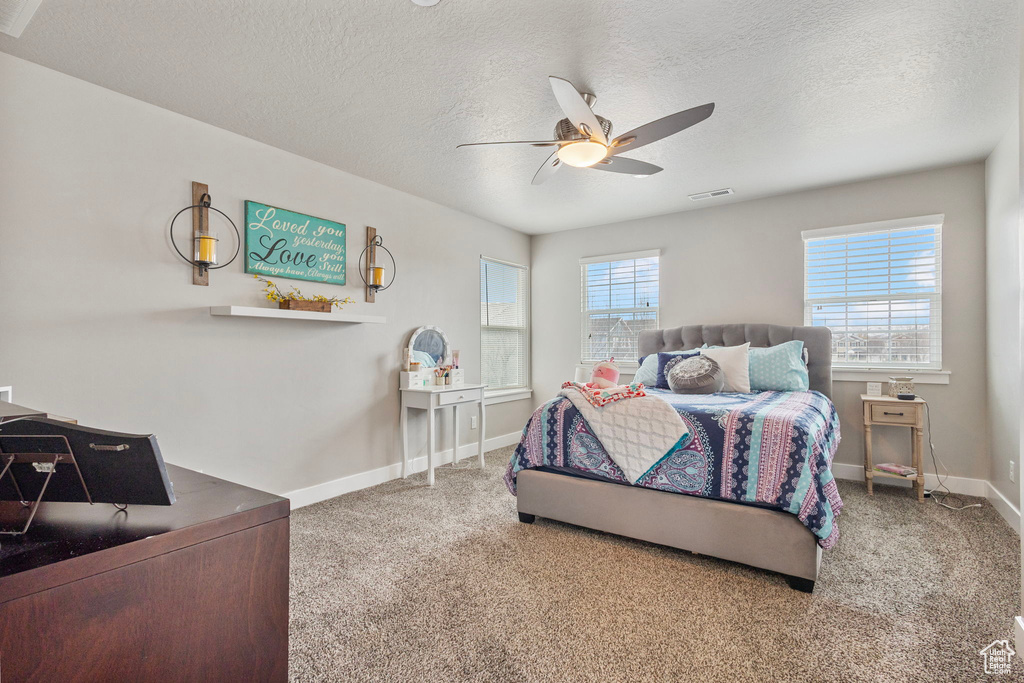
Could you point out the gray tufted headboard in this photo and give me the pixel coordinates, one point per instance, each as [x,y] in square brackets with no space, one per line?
[817,341]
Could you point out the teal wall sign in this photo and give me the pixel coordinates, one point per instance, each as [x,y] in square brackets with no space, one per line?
[283,243]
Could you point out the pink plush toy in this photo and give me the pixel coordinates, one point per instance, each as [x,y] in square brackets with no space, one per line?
[605,374]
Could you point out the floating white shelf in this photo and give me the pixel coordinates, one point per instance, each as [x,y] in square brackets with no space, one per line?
[260,312]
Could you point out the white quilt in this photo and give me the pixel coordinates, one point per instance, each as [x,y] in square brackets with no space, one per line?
[636,432]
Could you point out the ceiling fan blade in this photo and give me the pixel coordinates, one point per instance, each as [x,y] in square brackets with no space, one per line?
[662,128]
[576,109]
[547,169]
[535,143]
[626,165]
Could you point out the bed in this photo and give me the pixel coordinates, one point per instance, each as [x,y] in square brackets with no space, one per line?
[698,499]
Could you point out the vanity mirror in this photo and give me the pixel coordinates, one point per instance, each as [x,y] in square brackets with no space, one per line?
[429,350]
[429,347]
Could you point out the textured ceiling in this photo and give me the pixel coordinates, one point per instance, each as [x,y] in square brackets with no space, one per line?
[808,92]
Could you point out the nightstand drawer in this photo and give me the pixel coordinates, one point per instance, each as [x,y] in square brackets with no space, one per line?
[450,397]
[894,414]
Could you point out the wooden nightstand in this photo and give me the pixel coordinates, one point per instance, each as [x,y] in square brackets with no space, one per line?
[884,410]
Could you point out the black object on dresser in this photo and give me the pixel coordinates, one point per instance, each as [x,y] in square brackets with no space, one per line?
[193,591]
[53,460]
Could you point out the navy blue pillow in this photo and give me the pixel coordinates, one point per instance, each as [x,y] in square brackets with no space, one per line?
[663,359]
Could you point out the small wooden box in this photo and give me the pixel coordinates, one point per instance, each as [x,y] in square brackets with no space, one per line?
[294,305]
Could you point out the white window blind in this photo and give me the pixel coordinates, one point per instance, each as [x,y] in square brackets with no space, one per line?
[878,286]
[620,299]
[504,340]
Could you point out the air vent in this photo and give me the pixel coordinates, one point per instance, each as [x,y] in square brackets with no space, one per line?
[15,15]
[709,195]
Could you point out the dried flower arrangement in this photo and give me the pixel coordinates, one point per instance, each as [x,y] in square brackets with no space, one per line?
[295,301]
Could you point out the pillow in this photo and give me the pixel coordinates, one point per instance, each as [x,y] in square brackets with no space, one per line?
[695,375]
[664,358]
[735,363]
[779,368]
[647,373]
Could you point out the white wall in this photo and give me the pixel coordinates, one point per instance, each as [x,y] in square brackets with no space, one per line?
[1018,630]
[1003,298]
[744,263]
[99,319]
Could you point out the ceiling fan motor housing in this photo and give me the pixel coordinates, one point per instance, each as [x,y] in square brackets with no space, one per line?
[565,130]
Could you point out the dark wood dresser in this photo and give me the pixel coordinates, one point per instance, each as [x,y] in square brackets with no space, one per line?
[197,591]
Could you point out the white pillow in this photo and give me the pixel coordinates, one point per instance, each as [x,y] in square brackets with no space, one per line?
[735,363]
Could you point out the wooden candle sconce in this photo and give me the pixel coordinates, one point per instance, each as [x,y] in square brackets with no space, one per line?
[372,273]
[371,258]
[203,247]
[200,226]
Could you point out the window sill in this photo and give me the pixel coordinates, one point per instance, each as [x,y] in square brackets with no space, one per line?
[624,367]
[506,395]
[882,375]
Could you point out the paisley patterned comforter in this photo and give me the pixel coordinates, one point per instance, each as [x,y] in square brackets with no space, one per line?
[772,449]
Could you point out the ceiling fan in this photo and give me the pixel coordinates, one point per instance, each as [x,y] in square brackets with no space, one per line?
[582,138]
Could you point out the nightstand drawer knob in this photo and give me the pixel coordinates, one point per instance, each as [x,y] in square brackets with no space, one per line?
[888,413]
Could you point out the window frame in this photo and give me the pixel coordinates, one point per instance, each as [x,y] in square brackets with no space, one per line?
[934,298]
[510,392]
[585,311]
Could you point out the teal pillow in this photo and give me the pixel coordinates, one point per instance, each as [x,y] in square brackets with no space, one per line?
[779,368]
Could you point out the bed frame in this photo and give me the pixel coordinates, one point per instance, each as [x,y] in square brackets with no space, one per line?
[754,536]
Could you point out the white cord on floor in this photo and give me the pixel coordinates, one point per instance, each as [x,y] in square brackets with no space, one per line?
[941,498]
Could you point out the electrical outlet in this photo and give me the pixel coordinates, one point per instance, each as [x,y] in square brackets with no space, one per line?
[472,421]
[1013,471]
[874,388]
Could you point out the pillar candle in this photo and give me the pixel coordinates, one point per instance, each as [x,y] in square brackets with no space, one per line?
[206,249]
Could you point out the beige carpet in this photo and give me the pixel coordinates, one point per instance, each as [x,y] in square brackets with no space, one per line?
[405,583]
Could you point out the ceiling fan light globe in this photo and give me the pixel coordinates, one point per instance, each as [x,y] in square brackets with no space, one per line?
[582,154]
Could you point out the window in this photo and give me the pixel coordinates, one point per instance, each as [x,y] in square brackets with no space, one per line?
[620,300]
[503,330]
[878,286]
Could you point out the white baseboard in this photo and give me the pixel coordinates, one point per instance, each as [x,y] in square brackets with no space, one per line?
[968,487]
[1004,507]
[354,482]
[1018,632]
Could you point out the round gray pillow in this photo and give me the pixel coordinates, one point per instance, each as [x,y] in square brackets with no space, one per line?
[696,375]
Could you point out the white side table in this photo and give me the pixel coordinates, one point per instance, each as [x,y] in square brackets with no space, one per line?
[432,399]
